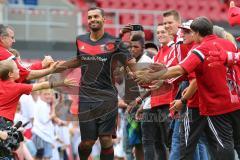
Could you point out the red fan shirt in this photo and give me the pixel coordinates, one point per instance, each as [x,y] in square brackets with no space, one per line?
[10,93]
[23,71]
[216,95]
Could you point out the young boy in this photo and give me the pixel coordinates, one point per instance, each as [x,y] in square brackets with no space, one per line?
[10,91]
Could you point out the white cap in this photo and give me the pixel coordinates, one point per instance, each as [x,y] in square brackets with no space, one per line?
[186,25]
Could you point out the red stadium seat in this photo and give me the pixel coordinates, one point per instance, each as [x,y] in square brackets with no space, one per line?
[158,5]
[181,5]
[127,18]
[109,18]
[170,4]
[159,19]
[146,19]
[102,3]
[126,4]
[111,31]
[136,4]
[145,5]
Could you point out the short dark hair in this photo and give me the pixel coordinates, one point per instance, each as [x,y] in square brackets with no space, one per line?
[97,8]
[173,13]
[202,25]
[139,38]
[151,45]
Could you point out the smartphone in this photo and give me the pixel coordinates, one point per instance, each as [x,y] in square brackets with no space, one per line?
[137,27]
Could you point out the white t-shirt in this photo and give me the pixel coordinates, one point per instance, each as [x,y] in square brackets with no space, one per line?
[62,132]
[27,107]
[147,101]
[42,124]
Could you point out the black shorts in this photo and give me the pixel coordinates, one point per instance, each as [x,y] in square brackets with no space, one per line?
[98,119]
[218,131]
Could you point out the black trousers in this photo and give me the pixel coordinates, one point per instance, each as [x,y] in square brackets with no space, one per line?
[219,134]
[154,132]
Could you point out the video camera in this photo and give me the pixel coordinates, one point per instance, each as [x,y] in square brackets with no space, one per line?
[14,138]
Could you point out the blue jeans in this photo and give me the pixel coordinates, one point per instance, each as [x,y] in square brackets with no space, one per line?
[175,146]
[202,148]
[201,152]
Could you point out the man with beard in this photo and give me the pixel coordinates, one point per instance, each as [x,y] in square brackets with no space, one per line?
[98,96]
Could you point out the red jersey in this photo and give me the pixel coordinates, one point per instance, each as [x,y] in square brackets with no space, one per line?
[10,93]
[193,102]
[162,57]
[36,66]
[180,52]
[23,71]
[216,96]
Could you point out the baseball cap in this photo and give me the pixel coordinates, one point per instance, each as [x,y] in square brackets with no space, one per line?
[186,25]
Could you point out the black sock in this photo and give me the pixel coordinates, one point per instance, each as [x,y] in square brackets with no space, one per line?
[84,152]
[107,153]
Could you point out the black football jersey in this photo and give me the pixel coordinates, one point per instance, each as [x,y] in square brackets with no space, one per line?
[97,66]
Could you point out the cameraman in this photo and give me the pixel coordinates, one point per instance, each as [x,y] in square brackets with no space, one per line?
[4,125]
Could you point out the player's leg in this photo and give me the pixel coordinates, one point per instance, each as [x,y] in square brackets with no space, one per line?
[88,138]
[106,130]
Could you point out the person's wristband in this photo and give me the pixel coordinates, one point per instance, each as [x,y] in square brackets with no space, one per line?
[184,101]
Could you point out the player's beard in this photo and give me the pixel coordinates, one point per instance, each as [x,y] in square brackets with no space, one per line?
[96,28]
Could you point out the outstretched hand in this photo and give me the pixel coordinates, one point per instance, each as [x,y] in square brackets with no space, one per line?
[143,76]
[70,82]
[156,67]
[156,84]
[47,61]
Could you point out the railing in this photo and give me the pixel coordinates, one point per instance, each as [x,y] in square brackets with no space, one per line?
[27,17]
[116,13]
